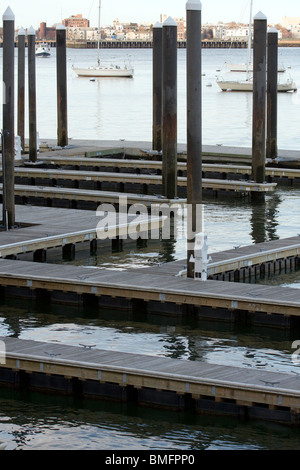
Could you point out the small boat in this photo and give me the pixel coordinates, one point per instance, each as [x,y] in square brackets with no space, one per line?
[99,70]
[104,71]
[248,67]
[247,85]
[42,50]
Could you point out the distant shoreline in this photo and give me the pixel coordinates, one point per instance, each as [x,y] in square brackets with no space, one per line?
[206,44]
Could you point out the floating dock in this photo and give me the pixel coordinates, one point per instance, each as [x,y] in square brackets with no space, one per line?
[228,170]
[153,381]
[152,290]
[40,229]
[126,182]
[162,290]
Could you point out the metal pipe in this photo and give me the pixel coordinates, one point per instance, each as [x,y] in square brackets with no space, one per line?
[61,71]
[194,127]
[8,135]
[169,109]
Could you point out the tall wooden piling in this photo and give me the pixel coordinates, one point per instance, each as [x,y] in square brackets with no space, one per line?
[21,87]
[8,133]
[259,98]
[272,82]
[61,72]
[194,125]
[157,87]
[32,96]
[169,109]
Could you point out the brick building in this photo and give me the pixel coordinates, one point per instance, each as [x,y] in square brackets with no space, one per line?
[44,32]
[76,21]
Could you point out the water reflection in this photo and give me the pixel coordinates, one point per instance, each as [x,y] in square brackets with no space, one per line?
[264,219]
[180,338]
[66,423]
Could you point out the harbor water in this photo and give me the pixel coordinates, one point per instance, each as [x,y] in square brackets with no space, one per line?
[121,109]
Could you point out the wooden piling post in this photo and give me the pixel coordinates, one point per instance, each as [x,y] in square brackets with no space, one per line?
[61,72]
[157,87]
[8,133]
[194,123]
[169,109]
[259,98]
[21,87]
[32,95]
[271,151]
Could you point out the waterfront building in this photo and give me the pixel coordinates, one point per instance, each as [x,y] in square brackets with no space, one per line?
[76,21]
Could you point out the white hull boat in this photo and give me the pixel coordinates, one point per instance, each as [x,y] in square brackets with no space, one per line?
[43,50]
[247,68]
[100,70]
[247,85]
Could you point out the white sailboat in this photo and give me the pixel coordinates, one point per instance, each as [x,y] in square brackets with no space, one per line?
[247,84]
[248,66]
[103,70]
[243,68]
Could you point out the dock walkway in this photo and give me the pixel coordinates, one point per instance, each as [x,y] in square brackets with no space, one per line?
[53,176]
[244,262]
[157,381]
[142,166]
[163,294]
[41,228]
[161,288]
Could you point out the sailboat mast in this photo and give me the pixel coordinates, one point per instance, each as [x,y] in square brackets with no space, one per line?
[249,38]
[99,32]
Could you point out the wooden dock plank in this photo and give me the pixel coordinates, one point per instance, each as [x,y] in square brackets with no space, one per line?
[149,287]
[52,230]
[157,166]
[228,185]
[166,367]
[159,377]
[98,197]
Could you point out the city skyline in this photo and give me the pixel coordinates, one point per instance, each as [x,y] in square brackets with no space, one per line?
[33,12]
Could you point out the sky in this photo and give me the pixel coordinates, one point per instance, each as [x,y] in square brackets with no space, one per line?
[33,12]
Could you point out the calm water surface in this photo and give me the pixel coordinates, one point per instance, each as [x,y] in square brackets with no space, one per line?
[122,109]
[110,109]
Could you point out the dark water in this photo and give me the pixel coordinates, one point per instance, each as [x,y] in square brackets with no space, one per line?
[55,424]
[36,421]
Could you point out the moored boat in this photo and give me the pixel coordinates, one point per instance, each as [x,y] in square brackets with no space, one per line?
[247,85]
[103,70]
[43,50]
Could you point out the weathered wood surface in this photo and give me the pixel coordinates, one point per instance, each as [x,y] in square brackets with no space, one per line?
[111,177]
[150,287]
[240,257]
[42,228]
[149,165]
[197,378]
[96,197]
